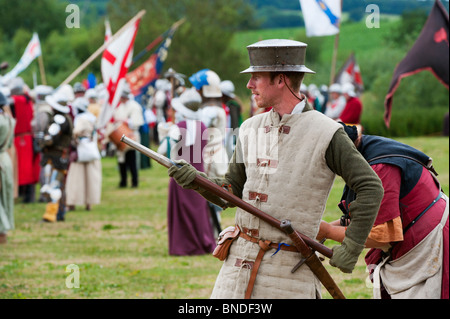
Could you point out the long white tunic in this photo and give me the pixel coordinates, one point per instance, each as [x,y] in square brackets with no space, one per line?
[288,178]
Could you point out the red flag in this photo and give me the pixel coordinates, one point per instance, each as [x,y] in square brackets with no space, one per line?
[429,52]
[148,72]
[142,75]
[350,73]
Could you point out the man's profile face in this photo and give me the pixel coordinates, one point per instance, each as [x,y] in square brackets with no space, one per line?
[265,91]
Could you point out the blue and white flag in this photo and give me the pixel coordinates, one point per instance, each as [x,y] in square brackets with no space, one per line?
[32,51]
[322,17]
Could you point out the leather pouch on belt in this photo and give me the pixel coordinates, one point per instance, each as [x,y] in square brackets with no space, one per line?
[226,238]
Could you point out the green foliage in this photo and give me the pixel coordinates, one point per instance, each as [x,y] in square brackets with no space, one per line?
[407,31]
[41,16]
[271,17]
[204,40]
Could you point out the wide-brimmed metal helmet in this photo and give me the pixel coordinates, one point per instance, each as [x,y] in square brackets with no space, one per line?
[188,103]
[277,55]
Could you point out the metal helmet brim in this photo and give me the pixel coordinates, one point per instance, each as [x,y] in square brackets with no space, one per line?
[277,55]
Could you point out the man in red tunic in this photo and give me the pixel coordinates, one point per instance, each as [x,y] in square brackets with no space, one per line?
[353,109]
[409,240]
[27,159]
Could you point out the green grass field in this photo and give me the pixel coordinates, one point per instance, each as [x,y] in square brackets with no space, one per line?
[121,249]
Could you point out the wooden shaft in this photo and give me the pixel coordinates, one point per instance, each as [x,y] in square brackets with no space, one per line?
[312,261]
[304,249]
[42,70]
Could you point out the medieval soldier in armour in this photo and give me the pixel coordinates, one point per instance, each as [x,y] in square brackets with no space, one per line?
[54,140]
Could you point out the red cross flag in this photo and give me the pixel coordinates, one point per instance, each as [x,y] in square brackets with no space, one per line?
[115,62]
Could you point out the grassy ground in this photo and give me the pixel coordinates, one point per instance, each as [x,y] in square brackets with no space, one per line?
[120,246]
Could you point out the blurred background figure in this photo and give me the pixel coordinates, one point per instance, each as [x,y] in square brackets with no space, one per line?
[55,143]
[316,96]
[324,92]
[27,159]
[336,102]
[92,97]
[84,177]
[353,108]
[127,118]
[215,156]
[234,120]
[7,124]
[42,112]
[78,90]
[189,226]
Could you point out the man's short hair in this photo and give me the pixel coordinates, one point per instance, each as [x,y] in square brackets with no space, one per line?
[296,78]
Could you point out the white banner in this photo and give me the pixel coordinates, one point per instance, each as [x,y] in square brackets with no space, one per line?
[322,17]
[32,51]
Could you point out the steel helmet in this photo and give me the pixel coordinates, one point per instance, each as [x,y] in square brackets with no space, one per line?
[348,88]
[78,87]
[41,91]
[335,88]
[67,91]
[227,88]
[91,94]
[58,102]
[81,103]
[188,103]
[208,81]
[277,55]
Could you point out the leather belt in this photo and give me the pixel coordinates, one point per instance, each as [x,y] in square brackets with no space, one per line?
[264,245]
[271,245]
[23,134]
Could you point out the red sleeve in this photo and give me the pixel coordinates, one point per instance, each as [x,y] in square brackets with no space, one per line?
[390,176]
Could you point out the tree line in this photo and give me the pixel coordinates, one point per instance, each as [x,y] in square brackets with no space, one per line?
[203,41]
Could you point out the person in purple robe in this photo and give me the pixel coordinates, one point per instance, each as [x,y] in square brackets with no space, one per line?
[189,226]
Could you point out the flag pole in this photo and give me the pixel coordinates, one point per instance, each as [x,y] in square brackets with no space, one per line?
[102,48]
[42,70]
[335,49]
[333,60]
[157,40]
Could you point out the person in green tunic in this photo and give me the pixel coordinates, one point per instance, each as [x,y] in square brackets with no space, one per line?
[7,124]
